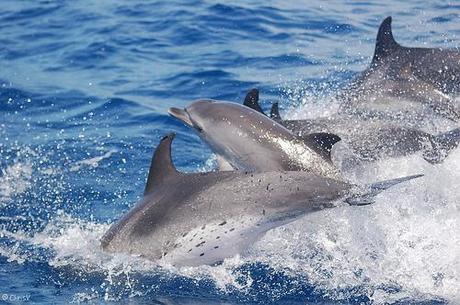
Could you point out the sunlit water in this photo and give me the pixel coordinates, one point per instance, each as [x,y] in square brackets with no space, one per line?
[83,99]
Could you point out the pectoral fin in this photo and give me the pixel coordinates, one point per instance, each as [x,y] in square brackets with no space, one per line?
[370,191]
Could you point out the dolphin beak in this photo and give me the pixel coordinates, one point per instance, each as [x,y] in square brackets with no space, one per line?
[181,115]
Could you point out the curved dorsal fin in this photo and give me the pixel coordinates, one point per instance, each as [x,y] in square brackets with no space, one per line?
[322,142]
[252,100]
[275,111]
[385,43]
[161,167]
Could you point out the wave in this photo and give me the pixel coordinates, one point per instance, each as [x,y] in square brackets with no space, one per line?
[403,247]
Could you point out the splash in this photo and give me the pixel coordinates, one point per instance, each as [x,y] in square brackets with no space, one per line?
[92,162]
[405,246]
[14,180]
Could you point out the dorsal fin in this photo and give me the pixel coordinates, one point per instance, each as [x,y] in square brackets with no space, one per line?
[252,100]
[275,111]
[385,43]
[322,142]
[161,167]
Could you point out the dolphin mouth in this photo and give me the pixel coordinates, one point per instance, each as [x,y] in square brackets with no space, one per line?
[181,115]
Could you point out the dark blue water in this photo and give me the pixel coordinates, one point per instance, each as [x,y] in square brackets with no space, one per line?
[84,89]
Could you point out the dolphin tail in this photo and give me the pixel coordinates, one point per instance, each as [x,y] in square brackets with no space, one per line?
[442,145]
[371,190]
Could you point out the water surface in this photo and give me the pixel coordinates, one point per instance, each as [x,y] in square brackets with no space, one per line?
[84,89]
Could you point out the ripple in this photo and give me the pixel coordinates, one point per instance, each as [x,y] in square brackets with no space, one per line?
[84,92]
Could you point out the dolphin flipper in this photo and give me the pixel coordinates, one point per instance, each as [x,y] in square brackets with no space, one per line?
[372,190]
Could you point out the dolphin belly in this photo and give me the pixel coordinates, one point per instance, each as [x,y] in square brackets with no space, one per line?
[213,242]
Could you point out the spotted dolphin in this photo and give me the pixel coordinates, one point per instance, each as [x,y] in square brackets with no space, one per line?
[405,81]
[250,141]
[369,139]
[373,140]
[202,218]
[439,67]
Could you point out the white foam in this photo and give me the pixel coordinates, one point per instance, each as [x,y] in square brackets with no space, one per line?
[92,162]
[15,179]
[75,240]
[18,176]
[12,254]
[406,245]
[76,244]
[408,241]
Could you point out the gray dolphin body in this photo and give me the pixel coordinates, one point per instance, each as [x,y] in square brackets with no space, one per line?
[374,140]
[405,81]
[250,141]
[203,218]
[436,66]
[370,139]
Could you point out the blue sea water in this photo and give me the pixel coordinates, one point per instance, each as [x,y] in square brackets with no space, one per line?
[84,90]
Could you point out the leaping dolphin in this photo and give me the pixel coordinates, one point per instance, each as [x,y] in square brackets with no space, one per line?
[370,139]
[405,81]
[436,66]
[203,218]
[250,141]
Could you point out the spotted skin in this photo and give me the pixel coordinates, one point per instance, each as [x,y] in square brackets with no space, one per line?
[203,218]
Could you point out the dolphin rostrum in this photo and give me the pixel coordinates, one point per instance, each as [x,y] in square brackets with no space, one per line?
[250,141]
[369,139]
[202,218]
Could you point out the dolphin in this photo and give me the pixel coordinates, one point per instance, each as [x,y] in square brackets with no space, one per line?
[202,218]
[373,140]
[250,141]
[436,66]
[369,139]
[405,81]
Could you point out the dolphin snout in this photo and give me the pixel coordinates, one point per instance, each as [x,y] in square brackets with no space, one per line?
[181,115]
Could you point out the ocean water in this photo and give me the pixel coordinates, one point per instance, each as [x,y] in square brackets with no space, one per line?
[84,90]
